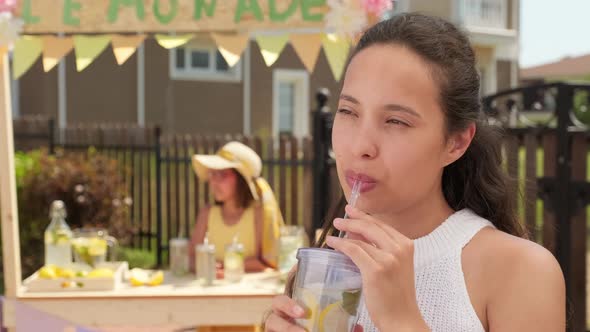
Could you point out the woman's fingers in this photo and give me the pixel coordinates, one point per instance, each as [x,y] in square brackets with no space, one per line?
[358,214]
[275,323]
[363,254]
[287,307]
[365,230]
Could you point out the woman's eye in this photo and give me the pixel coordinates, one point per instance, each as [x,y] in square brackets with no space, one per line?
[397,122]
[345,111]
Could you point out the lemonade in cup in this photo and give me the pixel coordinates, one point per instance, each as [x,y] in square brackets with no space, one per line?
[328,285]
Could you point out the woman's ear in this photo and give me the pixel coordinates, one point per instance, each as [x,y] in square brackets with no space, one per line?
[458,143]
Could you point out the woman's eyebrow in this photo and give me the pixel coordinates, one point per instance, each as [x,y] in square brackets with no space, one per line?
[389,107]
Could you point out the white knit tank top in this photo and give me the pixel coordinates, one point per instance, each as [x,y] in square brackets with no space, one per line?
[440,285]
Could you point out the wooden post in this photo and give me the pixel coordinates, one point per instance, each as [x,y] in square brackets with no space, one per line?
[8,204]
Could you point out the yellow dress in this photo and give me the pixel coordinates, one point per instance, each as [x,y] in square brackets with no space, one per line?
[221,234]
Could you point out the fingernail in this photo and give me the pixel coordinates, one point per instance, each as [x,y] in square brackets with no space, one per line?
[338,221]
[298,311]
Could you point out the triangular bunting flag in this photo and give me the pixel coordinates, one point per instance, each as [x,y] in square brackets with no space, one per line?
[55,48]
[336,49]
[271,47]
[88,48]
[3,51]
[172,41]
[307,47]
[26,51]
[231,46]
[125,46]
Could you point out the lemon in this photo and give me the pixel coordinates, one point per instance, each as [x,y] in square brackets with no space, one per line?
[141,277]
[48,272]
[82,274]
[333,318]
[156,278]
[138,277]
[311,305]
[66,273]
[101,273]
[97,247]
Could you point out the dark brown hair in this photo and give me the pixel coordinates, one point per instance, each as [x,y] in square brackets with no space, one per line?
[476,181]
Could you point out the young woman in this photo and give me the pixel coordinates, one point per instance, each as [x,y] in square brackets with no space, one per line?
[435,232]
[244,207]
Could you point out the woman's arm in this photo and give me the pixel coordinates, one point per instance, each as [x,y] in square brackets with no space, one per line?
[198,234]
[531,294]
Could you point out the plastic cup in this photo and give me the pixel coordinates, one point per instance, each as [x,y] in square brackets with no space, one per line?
[328,285]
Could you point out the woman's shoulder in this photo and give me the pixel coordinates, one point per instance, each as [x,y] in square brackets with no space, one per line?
[513,269]
[204,211]
[505,251]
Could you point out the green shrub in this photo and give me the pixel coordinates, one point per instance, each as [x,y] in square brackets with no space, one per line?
[92,187]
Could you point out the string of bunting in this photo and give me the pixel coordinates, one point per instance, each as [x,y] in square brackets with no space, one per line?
[343,22]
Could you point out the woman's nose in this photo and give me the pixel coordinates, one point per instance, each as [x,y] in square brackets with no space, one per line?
[365,144]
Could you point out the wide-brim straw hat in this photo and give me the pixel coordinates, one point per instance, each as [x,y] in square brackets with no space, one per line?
[232,155]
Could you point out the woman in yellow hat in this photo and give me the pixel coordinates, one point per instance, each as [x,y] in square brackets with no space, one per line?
[245,206]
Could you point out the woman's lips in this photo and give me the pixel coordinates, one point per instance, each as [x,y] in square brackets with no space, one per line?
[367,183]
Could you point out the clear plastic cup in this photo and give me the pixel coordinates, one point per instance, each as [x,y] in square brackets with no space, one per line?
[328,286]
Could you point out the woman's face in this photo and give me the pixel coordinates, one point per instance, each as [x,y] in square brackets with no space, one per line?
[389,130]
[223,184]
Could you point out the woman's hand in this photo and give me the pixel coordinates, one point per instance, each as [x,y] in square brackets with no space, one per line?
[284,312]
[254,264]
[386,260]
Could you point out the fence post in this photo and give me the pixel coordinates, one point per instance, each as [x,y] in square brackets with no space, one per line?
[158,161]
[51,124]
[322,125]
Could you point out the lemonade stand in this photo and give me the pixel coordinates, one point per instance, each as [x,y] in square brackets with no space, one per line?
[50,29]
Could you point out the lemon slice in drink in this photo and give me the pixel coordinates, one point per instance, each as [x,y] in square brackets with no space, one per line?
[311,306]
[333,318]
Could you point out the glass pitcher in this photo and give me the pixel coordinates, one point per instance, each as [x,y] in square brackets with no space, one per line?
[93,246]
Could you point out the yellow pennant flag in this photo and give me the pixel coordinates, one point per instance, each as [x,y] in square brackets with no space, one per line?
[173,41]
[231,46]
[307,47]
[88,48]
[336,49]
[125,46]
[3,51]
[27,50]
[55,48]
[271,47]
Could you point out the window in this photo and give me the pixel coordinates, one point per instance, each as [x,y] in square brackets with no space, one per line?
[202,62]
[286,107]
[290,102]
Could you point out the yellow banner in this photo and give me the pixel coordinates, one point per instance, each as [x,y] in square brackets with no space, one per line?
[231,46]
[113,16]
[172,41]
[125,46]
[307,48]
[336,49]
[27,50]
[88,48]
[55,48]
[271,47]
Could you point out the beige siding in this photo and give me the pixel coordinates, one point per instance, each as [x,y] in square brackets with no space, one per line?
[442,8]
[38,91]
[103,92]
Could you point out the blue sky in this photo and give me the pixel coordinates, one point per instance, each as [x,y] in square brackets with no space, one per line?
[553,29]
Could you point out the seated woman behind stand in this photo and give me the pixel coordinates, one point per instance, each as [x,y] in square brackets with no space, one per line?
[245,207]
